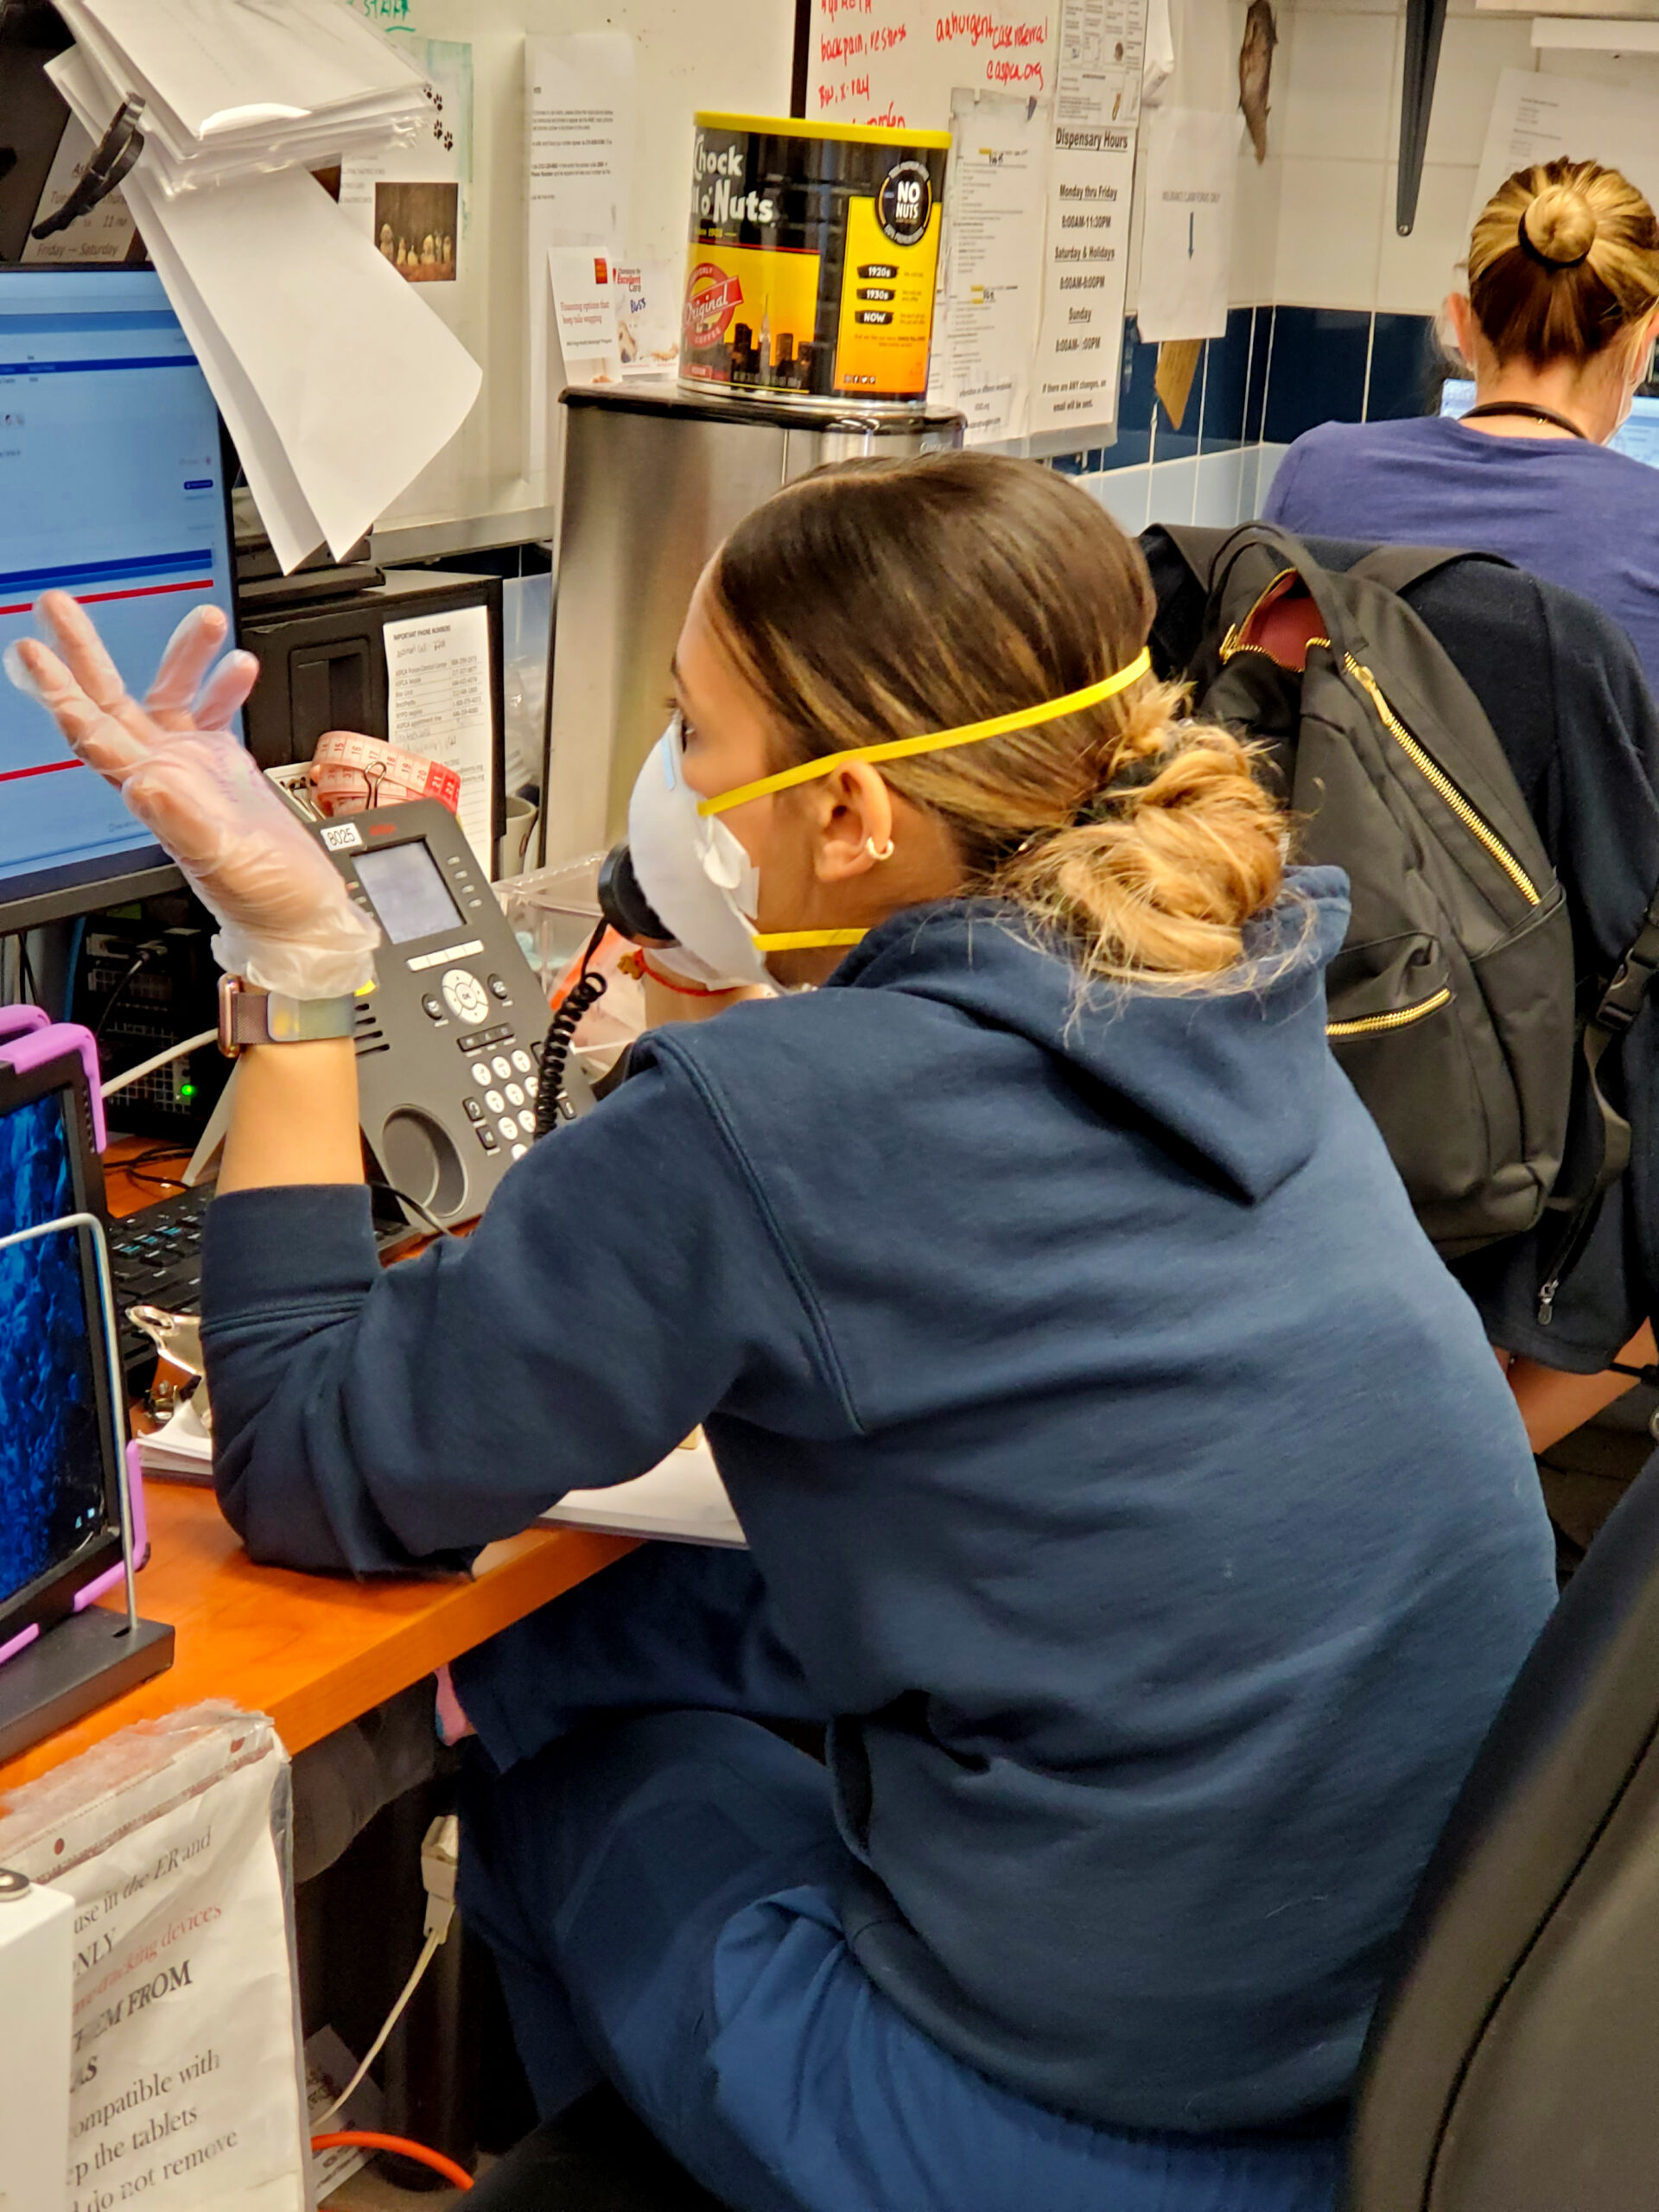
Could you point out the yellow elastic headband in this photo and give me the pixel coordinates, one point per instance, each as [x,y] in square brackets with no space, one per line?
[904,748]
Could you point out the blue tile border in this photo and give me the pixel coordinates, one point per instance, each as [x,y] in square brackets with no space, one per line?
[1405,368]
[1319,356]
[1226,381]
[1278,370]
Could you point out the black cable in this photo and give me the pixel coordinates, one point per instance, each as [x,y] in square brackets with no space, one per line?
[114,998]
[25,973]
[585,991]
[135,1167]
[413,1204]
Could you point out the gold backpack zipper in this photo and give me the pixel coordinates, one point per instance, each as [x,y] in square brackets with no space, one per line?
[1425,766]
[1370,1025]
[1442,785]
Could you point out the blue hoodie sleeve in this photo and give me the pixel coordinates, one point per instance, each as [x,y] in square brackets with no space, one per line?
[626,1278]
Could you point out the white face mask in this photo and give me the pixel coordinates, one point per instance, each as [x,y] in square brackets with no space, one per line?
[695,873]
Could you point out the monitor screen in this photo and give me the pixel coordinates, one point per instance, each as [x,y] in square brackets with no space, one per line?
[112,487]
[54,1493]
[407,892]
[1638,435]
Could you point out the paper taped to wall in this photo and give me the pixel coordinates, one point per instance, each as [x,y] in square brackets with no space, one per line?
[990,282]
[1544,119]
[1188,172]
[438,705]
[579,111]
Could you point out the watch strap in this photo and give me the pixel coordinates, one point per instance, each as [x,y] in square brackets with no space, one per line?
[249,1015]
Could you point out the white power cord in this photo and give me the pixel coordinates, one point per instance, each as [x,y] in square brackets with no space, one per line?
[439,1858]
[148,1067]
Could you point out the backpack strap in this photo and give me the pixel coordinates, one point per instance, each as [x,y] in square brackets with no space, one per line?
[1619,1005]
[1396,568]
[1197,545]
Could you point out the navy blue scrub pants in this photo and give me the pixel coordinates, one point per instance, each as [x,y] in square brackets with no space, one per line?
[658,1886]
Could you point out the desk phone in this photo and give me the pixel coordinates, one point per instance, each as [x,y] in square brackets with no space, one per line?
[449,1041]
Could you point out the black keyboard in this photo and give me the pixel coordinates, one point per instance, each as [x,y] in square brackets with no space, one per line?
[155,1258]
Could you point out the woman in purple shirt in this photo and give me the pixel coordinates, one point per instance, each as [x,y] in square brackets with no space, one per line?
[1557,328]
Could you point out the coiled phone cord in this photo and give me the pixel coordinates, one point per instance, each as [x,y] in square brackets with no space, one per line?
[585,991]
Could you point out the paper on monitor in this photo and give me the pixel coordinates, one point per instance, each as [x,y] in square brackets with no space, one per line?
[339,383]
[682,1499]
[213,69]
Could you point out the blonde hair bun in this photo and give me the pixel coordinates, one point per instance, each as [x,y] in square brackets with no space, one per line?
[1560,226]
[1563,262]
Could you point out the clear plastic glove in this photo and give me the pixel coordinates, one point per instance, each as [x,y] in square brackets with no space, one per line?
[286,922]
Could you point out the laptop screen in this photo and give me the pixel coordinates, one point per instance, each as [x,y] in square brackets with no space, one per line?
[54,1491]
[1638,435]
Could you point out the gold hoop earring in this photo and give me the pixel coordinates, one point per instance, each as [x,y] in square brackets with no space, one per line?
[879,851]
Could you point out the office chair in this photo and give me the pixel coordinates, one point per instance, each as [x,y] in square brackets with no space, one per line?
[1513,2064]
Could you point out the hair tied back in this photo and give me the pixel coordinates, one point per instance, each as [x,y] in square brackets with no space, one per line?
[1564,221]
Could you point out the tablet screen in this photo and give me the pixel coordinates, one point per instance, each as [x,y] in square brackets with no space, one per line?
[52,1485]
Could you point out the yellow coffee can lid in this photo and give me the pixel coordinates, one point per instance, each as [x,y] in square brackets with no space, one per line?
[845,134]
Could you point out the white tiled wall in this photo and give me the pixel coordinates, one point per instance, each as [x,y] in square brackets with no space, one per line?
[1337,110]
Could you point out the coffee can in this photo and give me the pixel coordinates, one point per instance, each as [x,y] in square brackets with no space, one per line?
[811,260]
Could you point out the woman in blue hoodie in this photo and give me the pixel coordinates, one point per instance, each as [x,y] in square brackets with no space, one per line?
[1126,1484]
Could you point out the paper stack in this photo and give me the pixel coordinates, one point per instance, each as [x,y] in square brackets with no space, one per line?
[229,88]
[181,1450]
[338,385]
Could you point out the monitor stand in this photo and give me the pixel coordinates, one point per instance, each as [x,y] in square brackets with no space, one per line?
[81,1663]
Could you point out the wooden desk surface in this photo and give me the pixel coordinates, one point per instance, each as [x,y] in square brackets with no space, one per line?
[312,1651]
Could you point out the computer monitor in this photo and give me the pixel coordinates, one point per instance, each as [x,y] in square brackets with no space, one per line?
[59,1453]
[1638,435]
[113,487]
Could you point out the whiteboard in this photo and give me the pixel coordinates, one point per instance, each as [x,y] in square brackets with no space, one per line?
[688,55]
[897,61]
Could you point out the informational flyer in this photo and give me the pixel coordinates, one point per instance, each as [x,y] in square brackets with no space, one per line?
[1085,257]
[1101,59]
[585,314]
[578,136]
[990,287]
[1189,168]
[438,705]
[185,2089]
[646,298]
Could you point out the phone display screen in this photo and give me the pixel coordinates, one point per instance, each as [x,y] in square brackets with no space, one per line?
[407,892]
[53,1497]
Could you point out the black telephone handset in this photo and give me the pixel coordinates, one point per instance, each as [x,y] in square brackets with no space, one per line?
[449,1041]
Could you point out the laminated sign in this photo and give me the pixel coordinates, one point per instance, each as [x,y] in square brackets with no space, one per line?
[186,2082]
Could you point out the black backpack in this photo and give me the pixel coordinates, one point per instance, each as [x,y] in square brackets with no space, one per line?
[1452,1001]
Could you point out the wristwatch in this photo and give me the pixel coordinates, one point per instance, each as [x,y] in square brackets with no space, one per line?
[250,1015]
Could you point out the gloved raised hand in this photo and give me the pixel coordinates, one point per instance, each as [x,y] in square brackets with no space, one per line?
[286,922]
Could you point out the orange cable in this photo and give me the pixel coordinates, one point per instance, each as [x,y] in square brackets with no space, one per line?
[366,2140]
